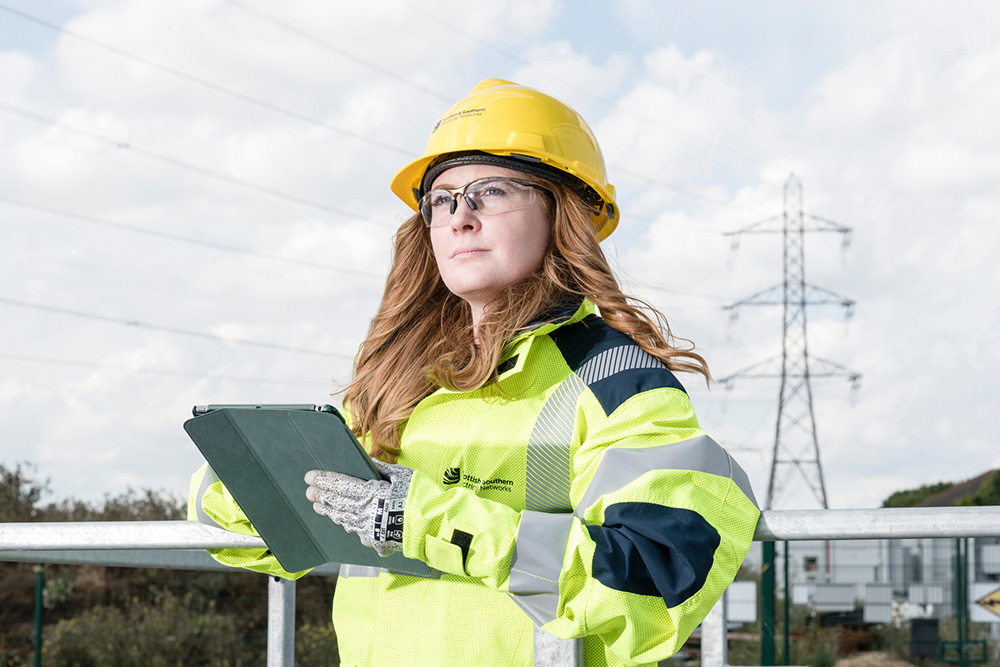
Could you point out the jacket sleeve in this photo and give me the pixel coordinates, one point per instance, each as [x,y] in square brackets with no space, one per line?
[662,519]
[210,502]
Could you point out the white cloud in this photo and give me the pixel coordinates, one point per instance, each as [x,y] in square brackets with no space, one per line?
[896,139]
[17,71]
[677,120]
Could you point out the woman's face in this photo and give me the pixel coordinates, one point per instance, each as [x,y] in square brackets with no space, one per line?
[480,256]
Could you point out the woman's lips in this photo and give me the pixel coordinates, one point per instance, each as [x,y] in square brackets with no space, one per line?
[467,252]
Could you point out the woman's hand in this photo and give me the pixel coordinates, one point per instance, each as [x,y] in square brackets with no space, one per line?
[371,508]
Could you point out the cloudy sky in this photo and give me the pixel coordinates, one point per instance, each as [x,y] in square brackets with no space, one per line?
[194,208]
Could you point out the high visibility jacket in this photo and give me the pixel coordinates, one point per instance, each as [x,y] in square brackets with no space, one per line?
[576,494]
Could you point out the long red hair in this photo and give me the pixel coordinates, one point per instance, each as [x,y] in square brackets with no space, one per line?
[421,337]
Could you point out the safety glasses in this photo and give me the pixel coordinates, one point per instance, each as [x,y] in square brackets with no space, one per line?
[487,196]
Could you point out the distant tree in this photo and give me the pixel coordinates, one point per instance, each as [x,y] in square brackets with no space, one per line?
[911,497]
[20,493]
[132,505]
[988,493]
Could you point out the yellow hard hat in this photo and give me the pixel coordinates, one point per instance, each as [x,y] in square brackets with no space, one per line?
[509,125]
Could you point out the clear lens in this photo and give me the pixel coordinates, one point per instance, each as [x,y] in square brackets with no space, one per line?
[487,196]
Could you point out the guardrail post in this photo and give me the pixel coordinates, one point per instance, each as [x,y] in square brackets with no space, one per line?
[280,622]
[767,578]
[39,603]
[550,651]
[714,645]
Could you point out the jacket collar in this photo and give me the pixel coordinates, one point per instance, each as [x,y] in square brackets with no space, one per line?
[516,351]
[560,316]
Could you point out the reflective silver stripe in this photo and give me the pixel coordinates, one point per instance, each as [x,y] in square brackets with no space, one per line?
[207,480]
[616,360]
[547,482]
[554,424]
[537,562]
[742,481]
[622,466]
[347,571]
[548,470]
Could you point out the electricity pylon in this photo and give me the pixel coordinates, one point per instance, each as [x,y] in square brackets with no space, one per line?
[796,446]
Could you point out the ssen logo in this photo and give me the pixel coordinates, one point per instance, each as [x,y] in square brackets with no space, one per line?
[453,476]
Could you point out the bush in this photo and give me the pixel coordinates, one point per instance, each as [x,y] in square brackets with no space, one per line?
[817,647]
[165,632]
[316,646]
[987,495]
[911,497]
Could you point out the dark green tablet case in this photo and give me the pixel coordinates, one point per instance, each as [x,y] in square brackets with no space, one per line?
[262,455]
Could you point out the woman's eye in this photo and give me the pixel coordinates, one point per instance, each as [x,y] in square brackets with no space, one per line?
[439,200]
[493,191]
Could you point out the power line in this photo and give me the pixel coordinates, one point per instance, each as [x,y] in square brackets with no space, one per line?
[299,32]
[680,191]
[185,239]
[302,34]
[39,118]
[306,36]
[152,371]
[246,98]
[205,83]
[36,117]
[636,283]
[182,332]
[439,20]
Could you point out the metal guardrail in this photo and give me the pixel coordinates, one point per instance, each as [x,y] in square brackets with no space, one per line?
[180,545]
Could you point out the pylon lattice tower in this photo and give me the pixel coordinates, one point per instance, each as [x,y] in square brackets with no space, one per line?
[796,445]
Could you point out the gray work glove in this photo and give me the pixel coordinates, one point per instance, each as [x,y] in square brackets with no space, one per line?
[371,508]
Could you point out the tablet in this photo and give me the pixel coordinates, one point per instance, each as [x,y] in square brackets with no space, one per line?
[262,453]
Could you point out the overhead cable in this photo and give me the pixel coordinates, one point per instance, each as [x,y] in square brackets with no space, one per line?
[205,83]
[287,27]
[186,239]
[154,371]
[315,121]
[299,32]
[438,19]
[182,332]
[680,191]
[39,118]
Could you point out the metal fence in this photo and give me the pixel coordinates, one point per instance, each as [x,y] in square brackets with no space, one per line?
[180,545]
[873,567]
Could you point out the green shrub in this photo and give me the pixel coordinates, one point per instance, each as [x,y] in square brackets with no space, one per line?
[911,497]
[987,495]
[744,651]
[316,646]
[164,632]
[817,647]
[10,660]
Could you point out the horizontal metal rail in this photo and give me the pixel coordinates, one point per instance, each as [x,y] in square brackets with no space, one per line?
[796,525]
[121,535]
[870,524]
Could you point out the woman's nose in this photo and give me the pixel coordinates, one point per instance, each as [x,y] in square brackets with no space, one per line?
[464,216]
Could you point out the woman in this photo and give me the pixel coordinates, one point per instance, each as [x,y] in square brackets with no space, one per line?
[542,459]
